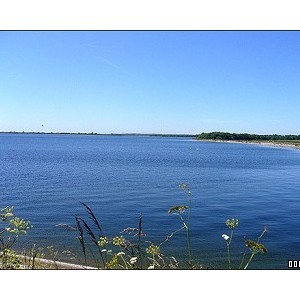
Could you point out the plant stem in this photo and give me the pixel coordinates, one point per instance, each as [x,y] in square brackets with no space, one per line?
[242,259]
[255,252]
[123,258]
[189,245]
[228,254]
[153,261]
[124,262]
[251,257]
[264,231]
[169,236]
[139,241]
[228,250]
[188,229]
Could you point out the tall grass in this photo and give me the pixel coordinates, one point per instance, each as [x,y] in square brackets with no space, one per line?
[131,249]
[136,251]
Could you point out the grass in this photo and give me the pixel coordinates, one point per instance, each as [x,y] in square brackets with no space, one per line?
[130,250]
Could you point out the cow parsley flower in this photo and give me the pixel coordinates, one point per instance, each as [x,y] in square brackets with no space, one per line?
[225,237]
[133,260]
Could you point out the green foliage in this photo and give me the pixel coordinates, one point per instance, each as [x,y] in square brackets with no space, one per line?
[245,137]
[9,260]
[112,263]
[10,229]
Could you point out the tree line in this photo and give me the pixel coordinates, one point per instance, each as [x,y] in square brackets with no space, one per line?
[245,136]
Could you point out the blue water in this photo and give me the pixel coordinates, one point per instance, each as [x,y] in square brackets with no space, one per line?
[46,176]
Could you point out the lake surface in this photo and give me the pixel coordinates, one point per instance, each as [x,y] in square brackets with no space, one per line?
[46,176]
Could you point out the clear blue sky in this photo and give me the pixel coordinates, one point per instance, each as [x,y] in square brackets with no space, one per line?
[150,82]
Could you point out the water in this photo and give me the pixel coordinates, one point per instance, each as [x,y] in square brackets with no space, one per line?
[46,176]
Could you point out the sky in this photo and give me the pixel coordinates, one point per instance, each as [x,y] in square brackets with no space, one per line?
[183,82]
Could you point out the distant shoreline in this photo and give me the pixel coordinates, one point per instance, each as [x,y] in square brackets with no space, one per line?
[289,144]
[102,134]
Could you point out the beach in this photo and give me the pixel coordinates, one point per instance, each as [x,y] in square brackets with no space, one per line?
[289,144]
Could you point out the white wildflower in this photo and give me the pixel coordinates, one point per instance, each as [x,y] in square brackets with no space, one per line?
[103,250]
[151,268]
[225,237]
[120,253]
[133,260]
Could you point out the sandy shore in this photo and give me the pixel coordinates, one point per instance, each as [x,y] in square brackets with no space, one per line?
[51,264]
[263,143]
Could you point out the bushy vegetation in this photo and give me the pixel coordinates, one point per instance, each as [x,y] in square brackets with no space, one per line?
[246,137]
[12,228]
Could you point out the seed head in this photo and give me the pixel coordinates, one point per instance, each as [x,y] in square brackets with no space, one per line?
[256,247]
[102,241]
[178,209]
[232,224]
[118,241]
[153,249]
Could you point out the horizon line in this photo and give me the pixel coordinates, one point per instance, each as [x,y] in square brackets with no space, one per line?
[133,133]
[95,133]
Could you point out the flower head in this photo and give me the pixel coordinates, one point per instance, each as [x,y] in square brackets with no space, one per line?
[102,241]
[133,260]
[179,209]
[225,237]
[256,247]
[233,223]
[6,213]
[118,241]
[184,186]
[153,249]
